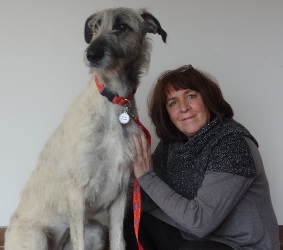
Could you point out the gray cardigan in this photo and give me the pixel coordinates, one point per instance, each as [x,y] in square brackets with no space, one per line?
[229,208]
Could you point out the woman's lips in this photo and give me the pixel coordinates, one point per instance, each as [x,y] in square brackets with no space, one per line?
[188,118]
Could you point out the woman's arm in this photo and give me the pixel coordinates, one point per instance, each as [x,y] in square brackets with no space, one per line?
[217,196]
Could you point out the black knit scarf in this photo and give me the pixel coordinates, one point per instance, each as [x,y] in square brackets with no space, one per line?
[216,147]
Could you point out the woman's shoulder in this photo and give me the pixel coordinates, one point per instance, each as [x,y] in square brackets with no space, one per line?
[233,154]
[231,127]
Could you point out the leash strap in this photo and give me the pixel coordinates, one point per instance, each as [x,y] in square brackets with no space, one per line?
[110,95]
[137,210]
[136,191]
[146,132]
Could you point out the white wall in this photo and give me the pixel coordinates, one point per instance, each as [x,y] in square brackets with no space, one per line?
[42,71]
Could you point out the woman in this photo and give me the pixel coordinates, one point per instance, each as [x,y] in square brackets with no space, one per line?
[204,187]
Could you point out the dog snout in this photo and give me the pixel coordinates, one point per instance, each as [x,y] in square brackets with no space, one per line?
[94,55]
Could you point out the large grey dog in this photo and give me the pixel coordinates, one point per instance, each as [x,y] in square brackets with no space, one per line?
[86,164]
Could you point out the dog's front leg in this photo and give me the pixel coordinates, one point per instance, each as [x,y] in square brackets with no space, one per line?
[116,217]
[77,216]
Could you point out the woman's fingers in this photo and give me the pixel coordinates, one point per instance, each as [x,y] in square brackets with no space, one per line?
[145,145]
[141,147]
[137,145]
[142,163]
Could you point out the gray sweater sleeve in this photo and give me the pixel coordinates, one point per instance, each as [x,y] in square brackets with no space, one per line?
[217,196]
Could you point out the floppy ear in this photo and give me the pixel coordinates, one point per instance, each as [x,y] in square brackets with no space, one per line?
[152,25]
[88,29]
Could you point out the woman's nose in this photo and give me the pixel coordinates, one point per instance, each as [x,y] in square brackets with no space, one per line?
[185,106]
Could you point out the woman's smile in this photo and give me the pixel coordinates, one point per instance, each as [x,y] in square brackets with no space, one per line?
[187,110]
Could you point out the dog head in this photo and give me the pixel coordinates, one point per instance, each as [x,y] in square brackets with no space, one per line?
[116,37]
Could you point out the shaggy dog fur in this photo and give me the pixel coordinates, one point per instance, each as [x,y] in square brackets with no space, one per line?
[86,164]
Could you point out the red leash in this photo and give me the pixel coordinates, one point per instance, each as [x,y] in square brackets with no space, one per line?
[136,191]
[137,210]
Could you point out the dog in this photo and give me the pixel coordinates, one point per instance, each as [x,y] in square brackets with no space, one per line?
[86,165]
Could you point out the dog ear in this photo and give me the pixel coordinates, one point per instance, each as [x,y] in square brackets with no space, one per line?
[88,29]
[152,25]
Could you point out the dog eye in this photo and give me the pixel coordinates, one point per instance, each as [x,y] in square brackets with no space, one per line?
[121,27]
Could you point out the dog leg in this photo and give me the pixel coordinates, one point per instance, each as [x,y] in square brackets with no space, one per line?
[24,237]
[77,219]
[116,217]
[94,237]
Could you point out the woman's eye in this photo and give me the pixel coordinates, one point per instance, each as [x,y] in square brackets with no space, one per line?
[191,96]
[172,103]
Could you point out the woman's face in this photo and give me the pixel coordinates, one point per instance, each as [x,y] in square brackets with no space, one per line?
[187,110]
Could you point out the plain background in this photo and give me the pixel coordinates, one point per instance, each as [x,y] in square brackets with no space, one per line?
[42,70]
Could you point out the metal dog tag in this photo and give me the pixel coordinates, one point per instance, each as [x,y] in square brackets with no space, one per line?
[124,117]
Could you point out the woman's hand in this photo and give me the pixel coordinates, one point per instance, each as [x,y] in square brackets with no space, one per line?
[142,162]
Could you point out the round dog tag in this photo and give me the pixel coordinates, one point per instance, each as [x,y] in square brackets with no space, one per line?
[124,118]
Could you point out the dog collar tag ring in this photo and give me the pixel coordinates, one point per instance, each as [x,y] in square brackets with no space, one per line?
[124,117]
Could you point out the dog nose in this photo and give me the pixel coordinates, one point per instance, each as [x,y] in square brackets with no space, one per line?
[94,55]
